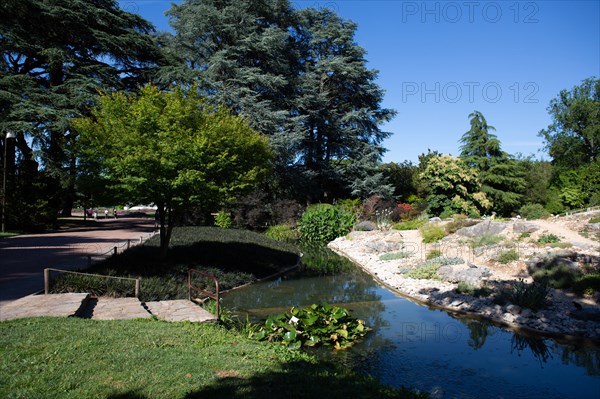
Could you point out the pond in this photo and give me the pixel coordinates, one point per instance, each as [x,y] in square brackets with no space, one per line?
[428,349]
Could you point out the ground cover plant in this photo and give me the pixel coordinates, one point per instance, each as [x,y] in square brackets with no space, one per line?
[413,224]
[235,256]
[532,296]
[70,358]
[485,240]
[432,233]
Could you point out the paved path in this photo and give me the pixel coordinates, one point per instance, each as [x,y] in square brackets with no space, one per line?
[103,308]
[23,258]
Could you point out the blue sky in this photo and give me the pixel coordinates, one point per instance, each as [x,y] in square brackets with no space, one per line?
[439,61]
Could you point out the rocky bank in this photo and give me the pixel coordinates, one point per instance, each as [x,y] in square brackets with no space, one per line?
[566,314]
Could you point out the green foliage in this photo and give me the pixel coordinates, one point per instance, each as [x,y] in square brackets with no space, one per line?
[413,224]
[251,56]
[534,211]
[555,271]
[312,326]
[532,296]
[432,233]
[394,256]
[588,284]
[425,272]
[50,78]
[223,220]
[524,235]
[508,256]
[155,145]
[594,220]
[548,238]
[485,240]
[469,289]
[453,186]
[282,232]
[322,223]
[435,253]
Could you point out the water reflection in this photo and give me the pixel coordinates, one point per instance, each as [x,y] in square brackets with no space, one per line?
[413,345]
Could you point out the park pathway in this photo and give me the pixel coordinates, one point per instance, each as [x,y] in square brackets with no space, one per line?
[23,258]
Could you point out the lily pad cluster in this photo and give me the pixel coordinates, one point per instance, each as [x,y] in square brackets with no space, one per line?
[314,325]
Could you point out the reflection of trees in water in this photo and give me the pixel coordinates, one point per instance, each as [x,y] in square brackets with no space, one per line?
[538,347]
[478,331]
[582,356]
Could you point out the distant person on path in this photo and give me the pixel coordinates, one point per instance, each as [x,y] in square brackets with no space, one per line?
[95,215]
[156,219]
[105,213]
[115,212]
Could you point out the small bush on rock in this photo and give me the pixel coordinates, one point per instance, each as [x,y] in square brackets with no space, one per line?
[508,256]
[409,224]
[432,233]
[532,296]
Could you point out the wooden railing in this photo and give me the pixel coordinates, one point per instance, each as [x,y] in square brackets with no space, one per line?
[214,295]
[48,270]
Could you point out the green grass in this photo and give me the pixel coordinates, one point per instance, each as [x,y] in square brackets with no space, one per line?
[594,220]
[409,224]
[71,358]
[235,256]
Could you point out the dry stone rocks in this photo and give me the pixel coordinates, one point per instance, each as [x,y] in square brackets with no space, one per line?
[483,228]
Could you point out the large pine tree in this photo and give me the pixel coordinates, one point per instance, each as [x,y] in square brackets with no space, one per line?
[298,76]
[501,176]
[56,56]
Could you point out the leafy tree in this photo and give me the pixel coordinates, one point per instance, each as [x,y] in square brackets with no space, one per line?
[573,138]
[573,142]
[56,54]
[403,178]
[501,177]
[453,187]
[174,150]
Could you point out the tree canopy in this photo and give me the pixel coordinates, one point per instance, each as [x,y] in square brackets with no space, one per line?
[56,55]
[299,77]
[173,149]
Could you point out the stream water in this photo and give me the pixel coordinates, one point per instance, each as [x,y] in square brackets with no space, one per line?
[414,345]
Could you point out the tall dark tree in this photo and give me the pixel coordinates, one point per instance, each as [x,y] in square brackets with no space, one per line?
[501,176]
[338,102]
[56,56]
[298,76]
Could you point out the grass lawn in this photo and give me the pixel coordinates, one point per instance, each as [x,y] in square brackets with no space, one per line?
[77,358]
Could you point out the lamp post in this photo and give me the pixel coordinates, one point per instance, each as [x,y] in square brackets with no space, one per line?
[9,135]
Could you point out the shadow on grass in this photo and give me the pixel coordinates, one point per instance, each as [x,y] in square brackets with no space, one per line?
[300,380]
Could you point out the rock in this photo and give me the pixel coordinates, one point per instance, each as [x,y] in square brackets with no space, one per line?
[483,228]
[365,225]
[435,220]
[509,318]
[593,226]
[457,273]
[524,227]
[383,246]
[513,309]
[526,313]
[586,314]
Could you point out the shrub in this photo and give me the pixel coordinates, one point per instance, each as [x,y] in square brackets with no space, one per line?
[394,256]
[223,220]
[587,284]
[508,256]
[435,253]
[282,232]
[322,223]
[426,272]
[409,224]
[432,233]
[548,238]
[532,296]
[485,240]
[555,271]
[594,220]
[469,289]
[524,235]
[534,211]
